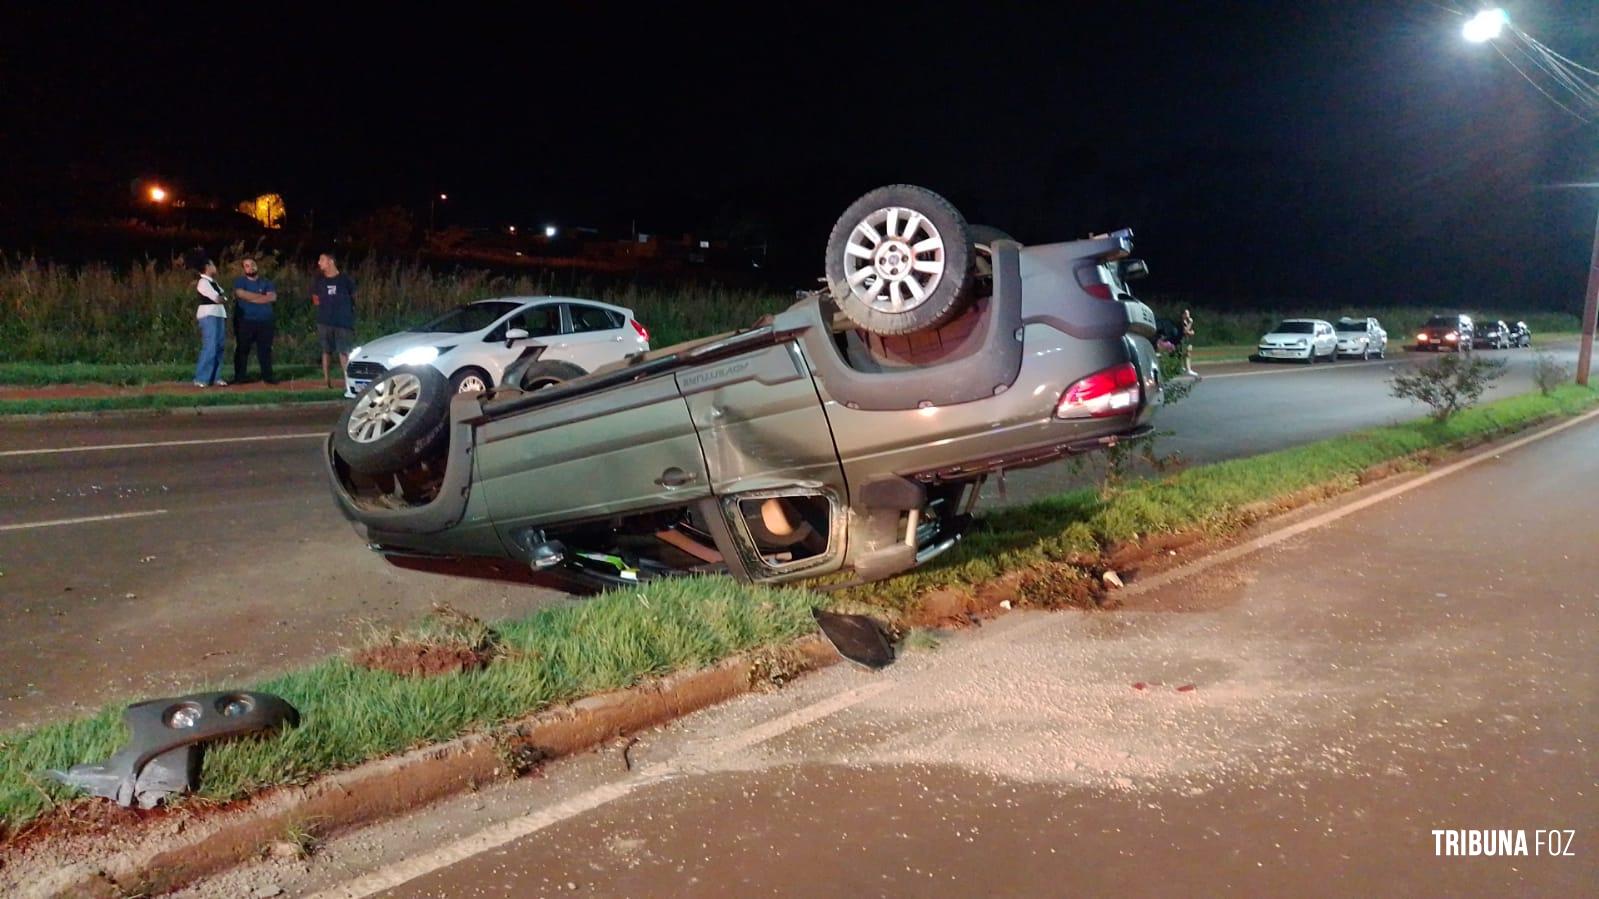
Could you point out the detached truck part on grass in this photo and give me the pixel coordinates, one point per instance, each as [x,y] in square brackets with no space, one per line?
[849,433]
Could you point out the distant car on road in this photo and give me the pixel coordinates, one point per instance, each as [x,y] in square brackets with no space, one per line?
[1451,333]
[1301,339]
[1363,337]
[1520,334]
[1493,335]
[474,345]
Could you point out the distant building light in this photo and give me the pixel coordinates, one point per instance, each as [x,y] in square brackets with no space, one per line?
[549,230]
[705,245]
[511,228]
[444,196]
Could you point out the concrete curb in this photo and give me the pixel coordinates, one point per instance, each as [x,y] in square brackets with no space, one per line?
[169,411]
[400,784]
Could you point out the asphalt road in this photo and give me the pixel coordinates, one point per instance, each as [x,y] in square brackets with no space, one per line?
[133,571]
[1298,720]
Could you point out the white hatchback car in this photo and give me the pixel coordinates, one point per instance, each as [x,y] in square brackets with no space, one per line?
[473,344]
[1304,339]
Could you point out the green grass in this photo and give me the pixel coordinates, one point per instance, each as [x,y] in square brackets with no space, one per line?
[44,374]
[352,715]
[221,397]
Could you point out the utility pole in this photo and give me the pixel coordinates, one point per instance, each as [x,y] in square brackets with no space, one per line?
[1589,312]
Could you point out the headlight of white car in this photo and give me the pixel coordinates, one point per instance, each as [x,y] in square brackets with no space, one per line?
[1301,342]
[420,355]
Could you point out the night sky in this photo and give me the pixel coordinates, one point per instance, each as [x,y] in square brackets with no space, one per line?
[1344,151]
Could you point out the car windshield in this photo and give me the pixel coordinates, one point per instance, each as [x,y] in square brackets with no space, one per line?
[1294,328]
[1358,327]
[1443,321]
[466,319]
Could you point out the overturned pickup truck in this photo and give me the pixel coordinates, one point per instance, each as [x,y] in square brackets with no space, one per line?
[849,434]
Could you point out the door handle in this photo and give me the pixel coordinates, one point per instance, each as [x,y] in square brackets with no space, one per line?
[675,477]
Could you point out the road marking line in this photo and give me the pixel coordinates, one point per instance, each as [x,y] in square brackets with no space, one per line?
[509,831]
[1233,553]
[125,446]
[86,520]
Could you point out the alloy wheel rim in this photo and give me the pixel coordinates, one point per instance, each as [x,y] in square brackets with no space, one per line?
[383,408]
[894,259]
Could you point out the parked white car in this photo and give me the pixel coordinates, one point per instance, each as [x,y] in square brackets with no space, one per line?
[473,344]
[1303,339]
[1363,337]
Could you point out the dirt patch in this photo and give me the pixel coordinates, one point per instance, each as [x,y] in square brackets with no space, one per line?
[1062,587]
[423,659]
[449,641]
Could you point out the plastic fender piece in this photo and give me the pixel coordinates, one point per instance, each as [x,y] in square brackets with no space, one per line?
[168,735]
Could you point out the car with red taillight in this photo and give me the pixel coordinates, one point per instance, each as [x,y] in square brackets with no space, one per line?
[851,433]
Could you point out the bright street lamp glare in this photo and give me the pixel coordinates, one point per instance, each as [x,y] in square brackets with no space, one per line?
[549,230]
[157,194]
[1485,26]
[444,196]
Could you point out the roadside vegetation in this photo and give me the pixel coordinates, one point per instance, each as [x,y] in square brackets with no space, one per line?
[226,396]
[1449,384]
[352,713]
[140,314]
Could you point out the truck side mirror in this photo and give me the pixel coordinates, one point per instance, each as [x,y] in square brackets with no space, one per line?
[1133,269]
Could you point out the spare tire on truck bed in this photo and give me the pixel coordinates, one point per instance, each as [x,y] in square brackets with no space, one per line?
[401,418]
[899,261]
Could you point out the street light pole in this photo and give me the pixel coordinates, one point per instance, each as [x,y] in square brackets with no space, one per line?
[1590,311]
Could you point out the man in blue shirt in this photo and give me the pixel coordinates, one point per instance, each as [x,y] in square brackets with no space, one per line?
[253,320]
[333,294]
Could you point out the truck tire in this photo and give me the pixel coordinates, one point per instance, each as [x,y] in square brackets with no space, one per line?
[899,261]
[398,420]
[540,374]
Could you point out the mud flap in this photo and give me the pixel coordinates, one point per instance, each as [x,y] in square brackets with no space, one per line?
[859,638]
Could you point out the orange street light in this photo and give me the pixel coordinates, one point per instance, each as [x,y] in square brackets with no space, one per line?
[158,194]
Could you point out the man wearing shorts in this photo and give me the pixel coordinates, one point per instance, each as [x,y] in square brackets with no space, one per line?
[333,295]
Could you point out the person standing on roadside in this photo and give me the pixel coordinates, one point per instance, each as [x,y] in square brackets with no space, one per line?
[1188,344]
[254,325]
[333,295]
[211,314]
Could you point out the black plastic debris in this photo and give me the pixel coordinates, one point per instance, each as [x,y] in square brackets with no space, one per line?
[168,744]
[859,638]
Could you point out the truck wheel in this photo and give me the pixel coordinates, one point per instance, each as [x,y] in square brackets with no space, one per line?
[399,419]
[538,375]
[899,260]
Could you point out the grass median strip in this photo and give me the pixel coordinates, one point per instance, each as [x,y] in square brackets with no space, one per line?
[44,374]
[222,396]
[352,714]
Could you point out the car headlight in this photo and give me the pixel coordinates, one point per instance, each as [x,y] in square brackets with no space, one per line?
[420,355]
[1301,342]
[355,352]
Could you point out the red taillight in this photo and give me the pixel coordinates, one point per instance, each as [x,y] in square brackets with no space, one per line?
[1091,278]
[1113,391]
[643,332]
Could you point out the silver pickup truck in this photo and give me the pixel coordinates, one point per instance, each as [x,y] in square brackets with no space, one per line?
[849,433]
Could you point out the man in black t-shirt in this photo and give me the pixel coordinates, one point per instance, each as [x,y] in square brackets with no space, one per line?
[333,295]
